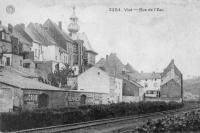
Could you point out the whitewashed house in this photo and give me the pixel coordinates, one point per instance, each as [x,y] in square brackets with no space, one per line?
[45,48]
[95,80]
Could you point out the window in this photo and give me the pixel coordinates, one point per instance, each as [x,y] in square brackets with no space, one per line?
[56,57]
[98,73]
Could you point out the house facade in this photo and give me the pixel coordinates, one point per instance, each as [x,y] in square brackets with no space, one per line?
[18,92]
[97,81]
[172,83]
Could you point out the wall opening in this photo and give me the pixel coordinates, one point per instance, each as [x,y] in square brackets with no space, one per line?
[43,100]
[83,99]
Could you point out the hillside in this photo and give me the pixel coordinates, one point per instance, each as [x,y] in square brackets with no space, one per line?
[192,88]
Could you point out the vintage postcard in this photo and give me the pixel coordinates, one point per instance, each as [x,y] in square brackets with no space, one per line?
[99,66]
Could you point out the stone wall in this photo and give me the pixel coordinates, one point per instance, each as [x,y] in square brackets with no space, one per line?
[73,98]
[10,97]
[31,99]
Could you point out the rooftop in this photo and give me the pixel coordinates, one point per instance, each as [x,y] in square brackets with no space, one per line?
[16,80]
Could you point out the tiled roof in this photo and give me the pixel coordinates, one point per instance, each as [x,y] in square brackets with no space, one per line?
[38,34]
[16,80]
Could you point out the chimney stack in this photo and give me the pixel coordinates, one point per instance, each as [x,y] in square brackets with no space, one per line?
[60,25]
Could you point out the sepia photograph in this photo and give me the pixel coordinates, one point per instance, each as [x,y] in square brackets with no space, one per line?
[99,66]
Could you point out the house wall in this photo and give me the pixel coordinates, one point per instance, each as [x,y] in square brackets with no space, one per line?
[91,58]
[9,97]
[15,60]
[94,80]
[115,90]
[171,89]
[30,99]
[73,98]
[129,89]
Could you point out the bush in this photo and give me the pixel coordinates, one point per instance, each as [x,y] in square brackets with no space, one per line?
[49,117]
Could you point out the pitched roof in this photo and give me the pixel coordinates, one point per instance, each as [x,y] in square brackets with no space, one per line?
[21,38]
[24,37]
[130,68]
[112,64]
[172,66]
[86,42]
[38,34]
[60,36]
[134,83]
[16,80]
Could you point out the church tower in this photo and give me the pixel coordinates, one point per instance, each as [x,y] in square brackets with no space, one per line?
[73,27]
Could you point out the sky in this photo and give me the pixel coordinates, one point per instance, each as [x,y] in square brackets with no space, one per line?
[148,40]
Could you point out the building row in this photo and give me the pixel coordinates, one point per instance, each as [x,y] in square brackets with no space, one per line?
[33,51]
[39,49]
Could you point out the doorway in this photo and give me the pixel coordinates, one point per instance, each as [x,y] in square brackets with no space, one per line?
[43,100]
[83,99]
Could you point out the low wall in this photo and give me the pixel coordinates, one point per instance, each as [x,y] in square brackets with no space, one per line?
[131,98]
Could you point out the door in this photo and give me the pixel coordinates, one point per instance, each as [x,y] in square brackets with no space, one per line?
[83,99]
[43,100]
[8,61]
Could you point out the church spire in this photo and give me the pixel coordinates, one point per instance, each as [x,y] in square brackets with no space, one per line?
[73,27]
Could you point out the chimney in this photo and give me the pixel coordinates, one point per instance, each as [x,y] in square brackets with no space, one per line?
[0,22]
[10,28]
[60,25]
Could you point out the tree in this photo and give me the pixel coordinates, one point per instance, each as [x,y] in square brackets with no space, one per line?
[58,78]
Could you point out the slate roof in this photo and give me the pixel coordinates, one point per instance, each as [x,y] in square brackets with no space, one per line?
[57,34]
[16,80]
[38,34]
[19,29]
[86,44]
